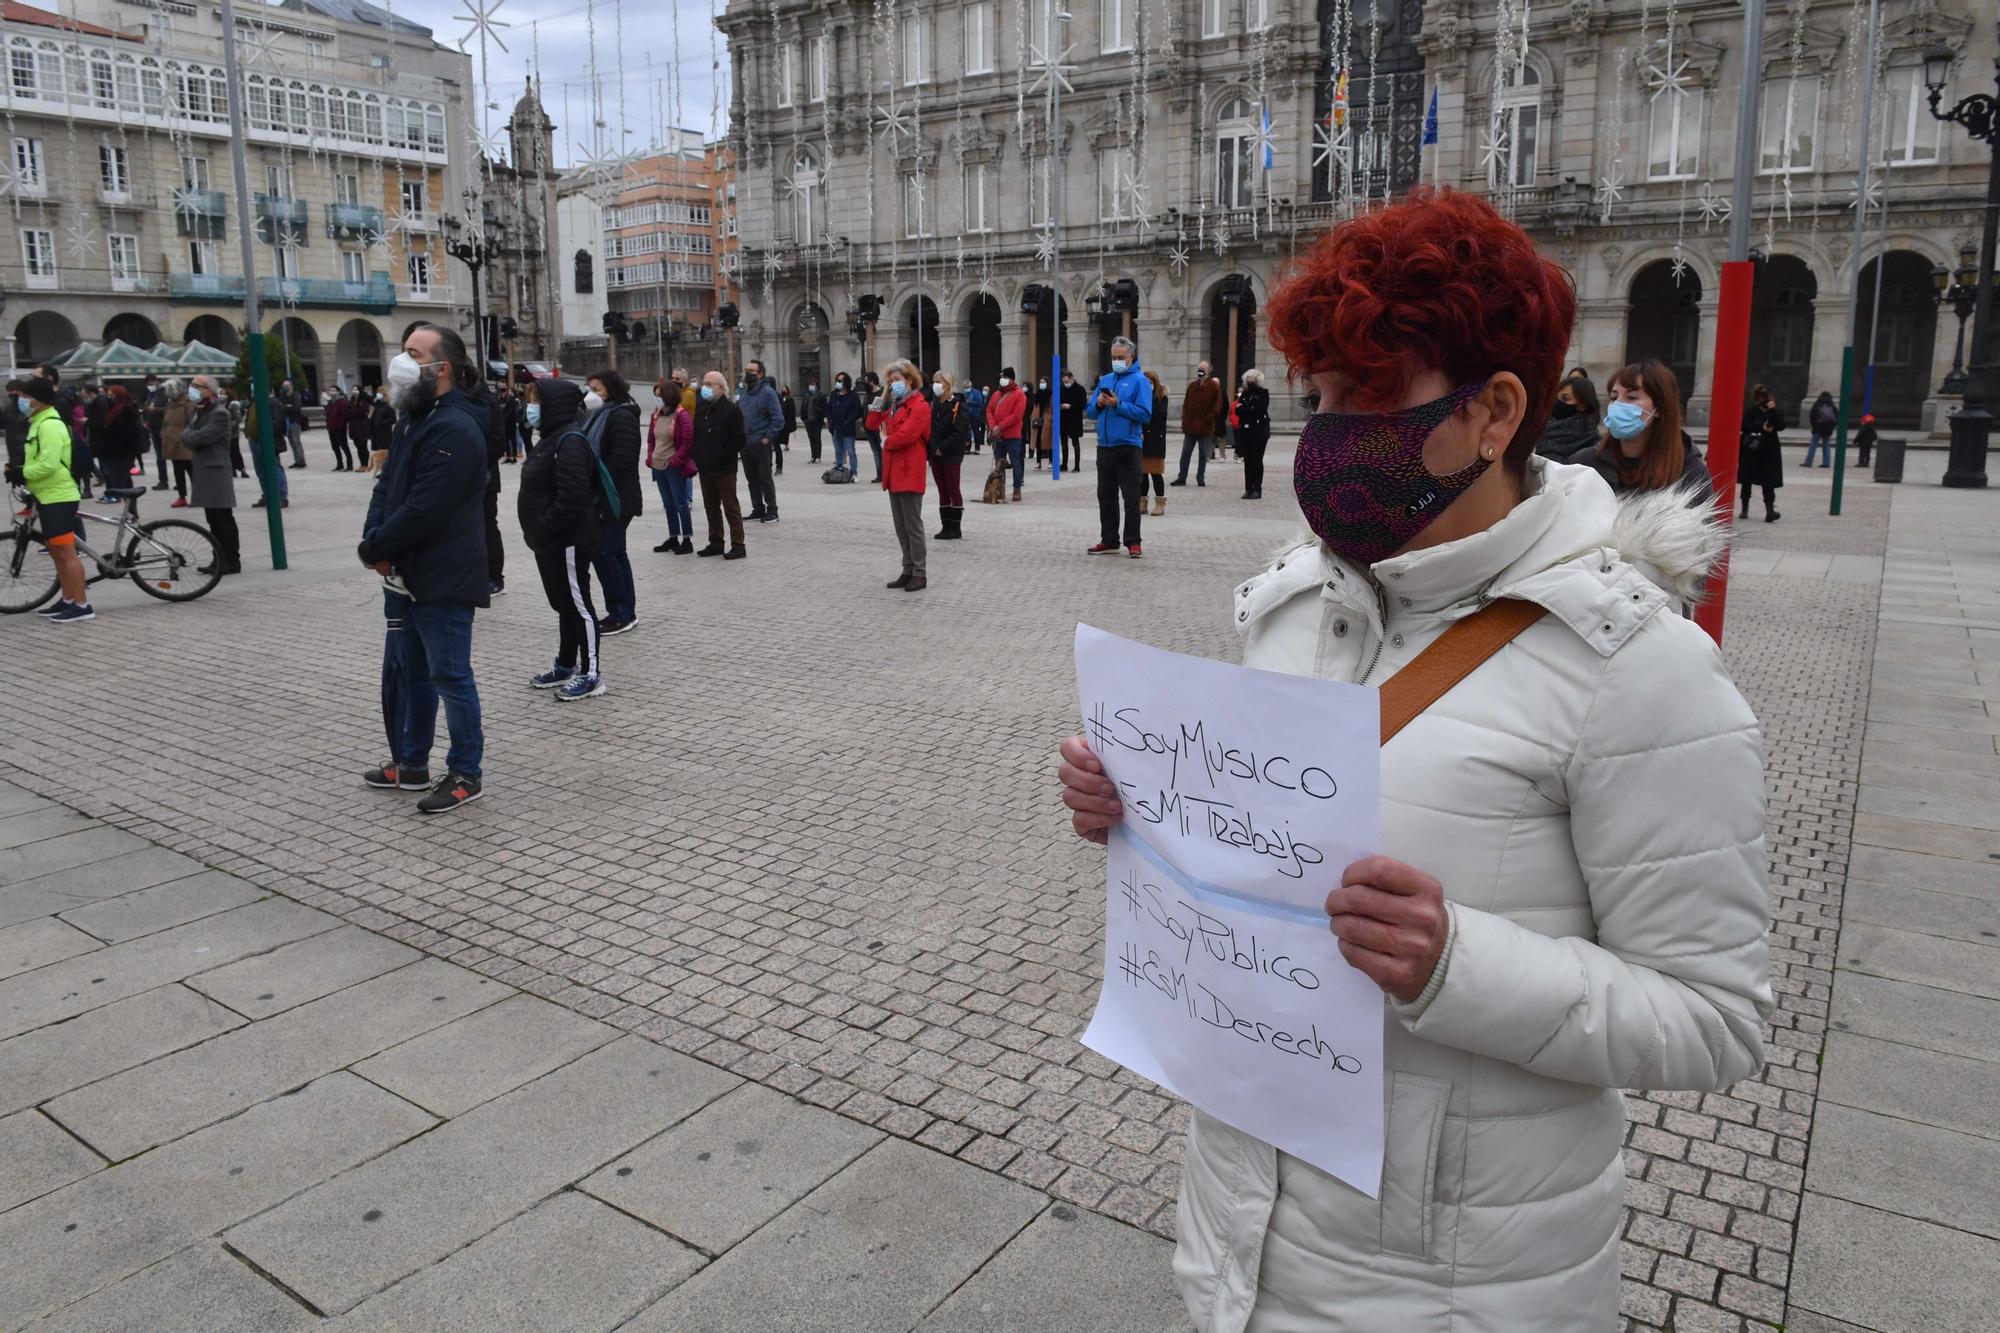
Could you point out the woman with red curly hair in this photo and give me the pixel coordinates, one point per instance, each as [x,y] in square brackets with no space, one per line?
[1569,898]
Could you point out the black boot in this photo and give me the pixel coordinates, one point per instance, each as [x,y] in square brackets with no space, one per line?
[953,518]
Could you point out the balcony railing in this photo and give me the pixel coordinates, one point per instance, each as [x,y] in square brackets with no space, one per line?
[436,293]
[280,219]
[376,295]
[353,221]
[212,287]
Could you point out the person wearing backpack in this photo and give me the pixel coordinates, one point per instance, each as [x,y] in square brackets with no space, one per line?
[612,425]
[560,499]
[1823,417]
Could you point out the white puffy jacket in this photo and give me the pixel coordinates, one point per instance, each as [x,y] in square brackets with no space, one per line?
[1592,799]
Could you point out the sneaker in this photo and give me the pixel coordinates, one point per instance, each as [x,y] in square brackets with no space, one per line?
[1133,550]
[496,589]
[754,516]
[771,517]
[70,613]
[162,486]
[735,553]
[180,502]
[52,609]
[392,777]
[611,627]
[1178,481]
[551,678]
[450,792]
[1103,548]
[580,687]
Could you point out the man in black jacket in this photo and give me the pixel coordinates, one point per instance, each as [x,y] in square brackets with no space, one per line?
[615,434]
[718,445]
[496,447]
[426,536]
[814,417]
[558,505]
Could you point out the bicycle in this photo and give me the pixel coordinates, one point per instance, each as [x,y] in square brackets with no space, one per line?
[170,558]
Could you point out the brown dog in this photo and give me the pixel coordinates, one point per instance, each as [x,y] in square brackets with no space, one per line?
[996,484]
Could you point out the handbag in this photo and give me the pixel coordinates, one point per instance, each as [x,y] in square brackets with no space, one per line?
[1451,657]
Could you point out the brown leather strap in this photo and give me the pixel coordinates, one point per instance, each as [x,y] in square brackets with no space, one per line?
[1452,657]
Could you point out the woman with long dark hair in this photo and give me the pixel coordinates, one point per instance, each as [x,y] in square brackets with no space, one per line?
[1643,447]
[1574,423]
[1762,462]
[124,441]
[1570,897]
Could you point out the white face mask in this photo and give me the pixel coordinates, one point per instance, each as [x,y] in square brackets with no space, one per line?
[194,393]
[404,374]
[1005,382]
[1119,364]
[592,401]
[937,388]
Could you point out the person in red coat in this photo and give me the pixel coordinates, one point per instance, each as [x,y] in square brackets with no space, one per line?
[1006,422]
[903,416]
[336,432]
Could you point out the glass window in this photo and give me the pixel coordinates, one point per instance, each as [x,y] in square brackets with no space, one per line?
[201,258]
[1212,17]
[916,51]
[1913,131]
[346,188]
[103,88]
[1038,191]
[806,199]
[1790,113]
[288,261]
[1114,25]
[979,33]
[194,173]
[1256,15]
[21,69]
[585,269]
[1235,130]
[976,219]
[124,258]
[816,70]
[1521,121]
[1675,134]
[114,171]
[127,79]
[278,181]
[916,207]
[788,59]
[38,252]
[1038,32]
[419,269]
[353,267]
[1114,180]
[416,198]
[29,176]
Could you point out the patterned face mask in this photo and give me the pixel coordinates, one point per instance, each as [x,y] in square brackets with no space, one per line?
[1361,480]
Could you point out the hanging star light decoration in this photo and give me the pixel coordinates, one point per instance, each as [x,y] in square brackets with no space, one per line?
[1610,190]
[1677,268]
[1710,205]
[1495,152]
[478,16]
[1179,258]
[893,122]
[1329,146]
[492,144]
[10,179]
[259,46]
[1045,246]
[1874,199]
[1058,69]
[1667,77]
[1221,241]
[1134,199]
[82,238]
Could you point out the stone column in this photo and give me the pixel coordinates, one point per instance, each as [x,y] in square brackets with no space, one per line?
[953,349]
[1938,407]
[1703,397]
[1832,318]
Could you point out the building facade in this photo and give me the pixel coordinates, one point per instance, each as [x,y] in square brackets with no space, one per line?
[517,202]
[123,198]
[904,160]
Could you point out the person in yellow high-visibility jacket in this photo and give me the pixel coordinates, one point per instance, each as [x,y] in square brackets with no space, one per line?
[45,471]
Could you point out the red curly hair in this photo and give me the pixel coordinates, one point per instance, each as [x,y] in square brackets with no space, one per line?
[1438,281]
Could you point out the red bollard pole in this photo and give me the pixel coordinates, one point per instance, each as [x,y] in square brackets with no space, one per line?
[1725,420]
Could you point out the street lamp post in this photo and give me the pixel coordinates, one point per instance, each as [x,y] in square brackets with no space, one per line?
[1970,429]
[1960,290]
[474,248]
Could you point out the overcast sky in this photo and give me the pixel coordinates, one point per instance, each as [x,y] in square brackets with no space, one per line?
[554,37]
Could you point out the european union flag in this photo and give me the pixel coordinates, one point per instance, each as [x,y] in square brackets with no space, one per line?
[1431,121]
[1269,158]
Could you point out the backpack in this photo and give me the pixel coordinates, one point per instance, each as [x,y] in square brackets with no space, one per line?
[607,488]
[836,476]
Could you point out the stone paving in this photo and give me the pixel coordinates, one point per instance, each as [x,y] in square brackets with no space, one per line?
[809,838]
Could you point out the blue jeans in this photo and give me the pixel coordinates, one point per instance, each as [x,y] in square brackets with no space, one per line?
[1017,454]
[614,572]
[1820,442]
[427,657]
[843,453]
[677,494]
[876,445]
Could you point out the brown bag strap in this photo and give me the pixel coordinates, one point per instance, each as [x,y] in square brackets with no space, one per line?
[1453,656]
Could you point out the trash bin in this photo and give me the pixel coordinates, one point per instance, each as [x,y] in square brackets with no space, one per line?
[1888,459]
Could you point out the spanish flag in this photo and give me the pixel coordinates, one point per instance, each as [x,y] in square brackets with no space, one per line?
[1340,99]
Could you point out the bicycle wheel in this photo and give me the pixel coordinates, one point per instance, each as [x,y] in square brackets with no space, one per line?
[173,560]
[27,572]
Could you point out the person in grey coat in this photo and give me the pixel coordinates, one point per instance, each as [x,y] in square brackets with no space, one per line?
[211,487]
[763,427]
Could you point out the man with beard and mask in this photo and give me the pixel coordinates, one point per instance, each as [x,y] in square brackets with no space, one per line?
[763,424]
[426,536]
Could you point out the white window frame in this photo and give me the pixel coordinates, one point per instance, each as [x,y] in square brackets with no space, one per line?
[114,172]
[808,201]
[31,175]
[126,265]
[816,70]
[916,219]
[1235,143]
[1256,15]
[978,200]
[38,257]
[1038,33]
[285,259]
[1113,165]
[980,29]
[1519,104]
[1684,133]
[278,181]
[788,64]
[1790,114]
[203,261]
[347,188]
[194,172]
[1114,27]
[1912,136]
[1214,18]
[353,266]
[417,268]
[917,67]
[423,197]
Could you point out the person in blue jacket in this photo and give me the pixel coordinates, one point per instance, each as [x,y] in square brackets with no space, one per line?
[844,411]
[426,536]
[1121,405]
[975,409]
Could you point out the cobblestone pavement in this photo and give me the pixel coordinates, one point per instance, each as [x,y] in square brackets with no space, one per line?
[810,836]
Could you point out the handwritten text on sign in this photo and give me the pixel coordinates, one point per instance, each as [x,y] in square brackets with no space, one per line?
[1246,793]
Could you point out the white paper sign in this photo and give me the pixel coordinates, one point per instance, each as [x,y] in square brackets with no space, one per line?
[1246,794]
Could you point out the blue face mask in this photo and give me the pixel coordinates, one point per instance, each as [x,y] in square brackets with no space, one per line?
[897,388]
[26,405]
[708,392]
[534,414]
[1625,420]
[1119,365]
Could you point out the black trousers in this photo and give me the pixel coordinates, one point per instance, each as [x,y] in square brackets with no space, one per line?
[757,478]
[565,575]
[813,431]
[182,471]
[1770,496]
[341,456]
[1252,454]
[1119,481]
[228,541]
